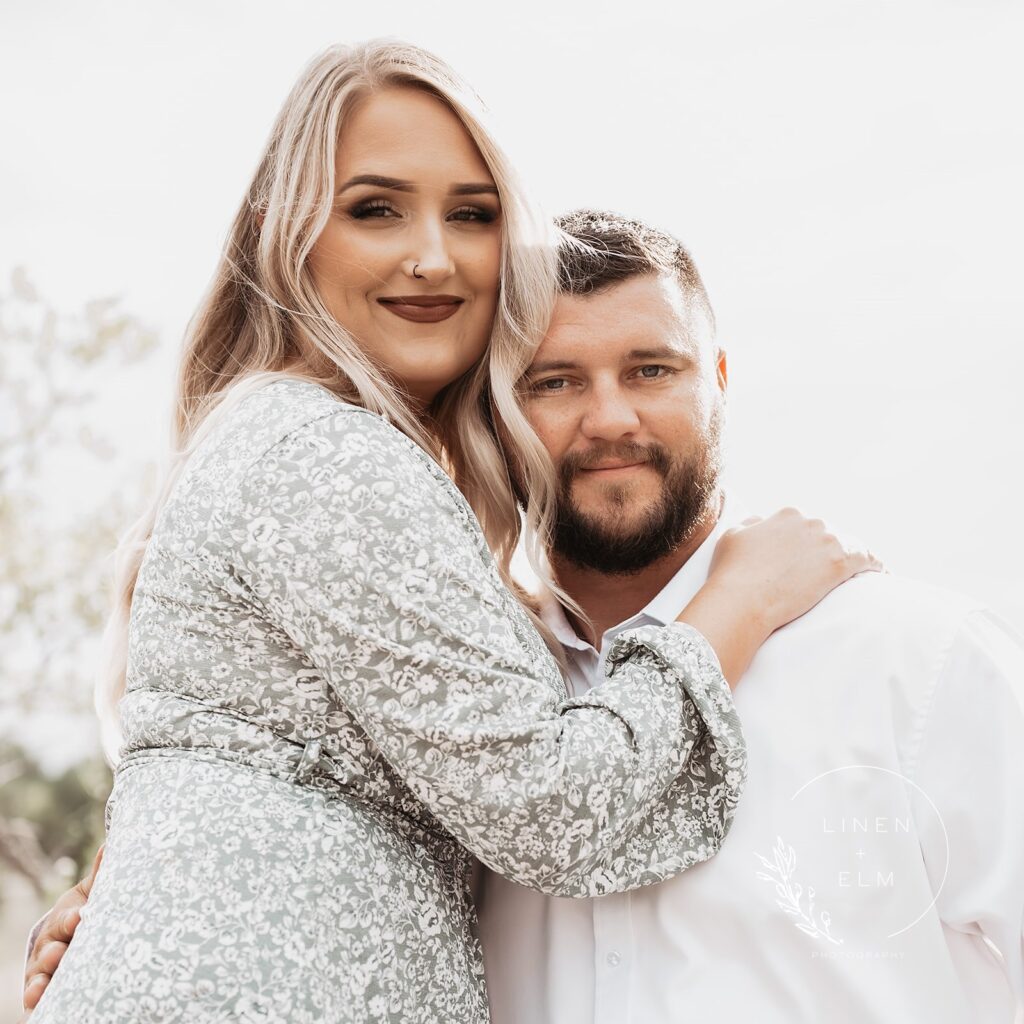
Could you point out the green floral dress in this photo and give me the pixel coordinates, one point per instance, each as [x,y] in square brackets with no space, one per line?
[333,705]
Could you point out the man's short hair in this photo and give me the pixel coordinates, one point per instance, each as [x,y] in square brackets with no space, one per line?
[602,248]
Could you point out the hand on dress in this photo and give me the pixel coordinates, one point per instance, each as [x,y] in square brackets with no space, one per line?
[51,940]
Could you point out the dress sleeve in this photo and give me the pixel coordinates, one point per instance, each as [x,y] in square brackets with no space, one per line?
[360,548]
[969,796]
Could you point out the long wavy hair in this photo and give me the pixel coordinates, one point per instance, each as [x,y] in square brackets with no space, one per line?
[262,317]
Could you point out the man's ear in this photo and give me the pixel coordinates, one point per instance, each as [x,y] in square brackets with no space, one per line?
[722,371]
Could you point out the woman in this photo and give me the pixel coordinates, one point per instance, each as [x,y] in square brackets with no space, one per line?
[333,698]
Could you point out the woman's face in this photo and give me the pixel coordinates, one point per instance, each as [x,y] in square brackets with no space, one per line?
[409,261]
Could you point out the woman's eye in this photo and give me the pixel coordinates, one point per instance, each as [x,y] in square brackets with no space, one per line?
[473,213]
[373,209]
[551,384]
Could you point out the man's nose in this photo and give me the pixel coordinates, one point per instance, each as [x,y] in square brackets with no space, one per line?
[609,415]
[430,257]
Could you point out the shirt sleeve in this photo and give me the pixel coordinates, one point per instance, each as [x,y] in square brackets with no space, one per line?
[359,547]
[970,800]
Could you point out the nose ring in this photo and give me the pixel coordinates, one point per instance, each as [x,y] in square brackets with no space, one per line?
[414,274]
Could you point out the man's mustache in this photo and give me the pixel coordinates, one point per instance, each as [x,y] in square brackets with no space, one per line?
[624,451]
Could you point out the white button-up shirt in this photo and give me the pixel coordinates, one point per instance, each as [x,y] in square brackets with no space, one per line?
[875,869]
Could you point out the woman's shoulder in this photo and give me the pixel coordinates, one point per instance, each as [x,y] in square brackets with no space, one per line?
[323,463]
[289,445]
[291,413]
[293,428]
[263,417]
[270,411]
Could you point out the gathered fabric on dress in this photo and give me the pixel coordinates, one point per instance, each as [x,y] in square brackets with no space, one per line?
[333,705]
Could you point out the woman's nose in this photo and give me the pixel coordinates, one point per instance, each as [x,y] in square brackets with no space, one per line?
[429,258]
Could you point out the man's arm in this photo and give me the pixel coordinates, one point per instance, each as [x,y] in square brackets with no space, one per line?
[971,766]
[49,939]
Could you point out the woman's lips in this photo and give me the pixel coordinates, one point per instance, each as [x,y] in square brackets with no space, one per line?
[422,309]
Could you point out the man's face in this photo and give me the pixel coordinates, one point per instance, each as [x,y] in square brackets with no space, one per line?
[627,394]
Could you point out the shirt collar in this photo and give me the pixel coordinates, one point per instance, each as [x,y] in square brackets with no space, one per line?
[666,605]
[553,616]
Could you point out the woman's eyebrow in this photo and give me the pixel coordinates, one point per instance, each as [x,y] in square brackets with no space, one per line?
[401,185]
[378,181]
[473,189]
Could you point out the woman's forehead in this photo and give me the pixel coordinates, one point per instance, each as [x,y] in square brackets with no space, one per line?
[408,134]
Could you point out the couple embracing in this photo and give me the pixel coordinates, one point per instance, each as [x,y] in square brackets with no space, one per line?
[342,728]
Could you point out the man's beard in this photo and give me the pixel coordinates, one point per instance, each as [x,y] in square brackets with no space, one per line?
[688,487]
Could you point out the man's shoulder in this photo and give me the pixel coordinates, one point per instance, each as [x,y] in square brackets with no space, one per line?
[900,595]
[883,607]
[862,664]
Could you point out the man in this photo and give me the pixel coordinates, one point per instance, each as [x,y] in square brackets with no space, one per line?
[875,869]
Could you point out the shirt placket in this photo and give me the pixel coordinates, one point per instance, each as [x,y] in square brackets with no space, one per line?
[613,958]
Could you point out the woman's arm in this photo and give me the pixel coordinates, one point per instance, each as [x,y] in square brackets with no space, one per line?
[357,545]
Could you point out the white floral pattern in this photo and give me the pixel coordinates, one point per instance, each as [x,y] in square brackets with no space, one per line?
[333,703]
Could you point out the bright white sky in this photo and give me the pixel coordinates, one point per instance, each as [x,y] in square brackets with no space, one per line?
[846,174]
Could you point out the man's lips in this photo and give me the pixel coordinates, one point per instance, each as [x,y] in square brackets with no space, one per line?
[422,309]
[613,467]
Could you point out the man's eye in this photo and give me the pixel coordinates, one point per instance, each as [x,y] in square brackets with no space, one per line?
[372,209]
[653,372]
[551,384]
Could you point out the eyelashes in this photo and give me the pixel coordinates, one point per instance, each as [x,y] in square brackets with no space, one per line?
[376,208]
[474,213]
[381,209]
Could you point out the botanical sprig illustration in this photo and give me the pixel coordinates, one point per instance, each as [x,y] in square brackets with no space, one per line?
[790,894]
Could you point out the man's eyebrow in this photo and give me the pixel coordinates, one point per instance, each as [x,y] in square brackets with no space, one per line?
[401,185]
[550,364]
[661,352]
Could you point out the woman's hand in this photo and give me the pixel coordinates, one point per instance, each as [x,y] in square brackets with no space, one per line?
[764,574]
[51,941]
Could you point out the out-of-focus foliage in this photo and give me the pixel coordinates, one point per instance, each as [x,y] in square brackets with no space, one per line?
[66,492]
[50,827]
[53,569]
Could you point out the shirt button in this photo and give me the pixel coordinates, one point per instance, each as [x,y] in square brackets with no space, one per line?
[613,959]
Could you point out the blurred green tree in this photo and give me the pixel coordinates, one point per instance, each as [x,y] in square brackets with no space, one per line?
[50,827]
[55,370]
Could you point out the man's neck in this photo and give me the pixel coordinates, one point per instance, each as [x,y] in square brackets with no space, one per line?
[608,599]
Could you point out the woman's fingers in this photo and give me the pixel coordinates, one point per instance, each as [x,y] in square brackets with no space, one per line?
[58,928]
[867,561]
[50,946]
[51,955]
[858,557]
[34,991]
[86,884]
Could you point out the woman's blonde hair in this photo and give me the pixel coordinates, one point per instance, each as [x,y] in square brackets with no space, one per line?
[262,317]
